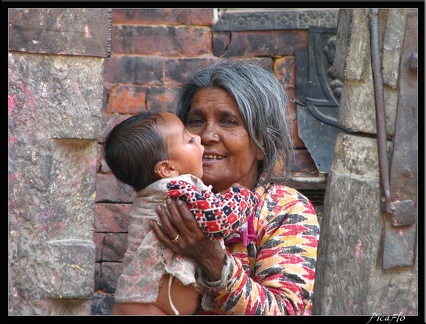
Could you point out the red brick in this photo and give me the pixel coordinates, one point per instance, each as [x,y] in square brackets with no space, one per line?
[168,16]
[110,271]
[102,303]
[200,17]
[134,69]
[304,165]
[110,246]
[115,245]
[259,43]
[291,102]
[97,275]
[105,94]
[286,68]
[110,189]
[177,70]
[101,164]
[221,40]
[162,40]
[161,99]
[98,239]
[127,99]
[279,171]
[139,16]
[111,217]
[297,141]
[108,122]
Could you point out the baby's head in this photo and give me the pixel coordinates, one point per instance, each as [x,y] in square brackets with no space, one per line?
[152,145]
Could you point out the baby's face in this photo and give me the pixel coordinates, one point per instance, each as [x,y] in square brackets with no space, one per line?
[185,151]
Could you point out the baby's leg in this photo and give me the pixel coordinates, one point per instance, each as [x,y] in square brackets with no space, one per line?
[136,309]
[176,299]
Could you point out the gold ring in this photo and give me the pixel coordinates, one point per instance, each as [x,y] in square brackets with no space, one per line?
[175,239]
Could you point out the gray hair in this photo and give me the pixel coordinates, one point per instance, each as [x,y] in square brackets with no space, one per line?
[262,102]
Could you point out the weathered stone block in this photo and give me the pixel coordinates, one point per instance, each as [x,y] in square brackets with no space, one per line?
[352,47]
[72,267]
[43,31]
[357,110]
[350,280]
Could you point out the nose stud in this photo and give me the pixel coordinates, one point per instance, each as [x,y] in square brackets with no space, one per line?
[215,136]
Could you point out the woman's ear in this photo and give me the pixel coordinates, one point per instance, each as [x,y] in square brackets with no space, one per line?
[165,170]
[260,156]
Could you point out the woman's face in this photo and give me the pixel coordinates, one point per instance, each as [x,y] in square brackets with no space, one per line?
[230,155]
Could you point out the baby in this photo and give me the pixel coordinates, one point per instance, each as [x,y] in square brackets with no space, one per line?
[158,157]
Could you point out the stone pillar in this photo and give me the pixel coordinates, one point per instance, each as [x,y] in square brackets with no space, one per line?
[350,277]
[55,71]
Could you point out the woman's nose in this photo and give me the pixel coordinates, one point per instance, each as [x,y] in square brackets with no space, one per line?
[210,134]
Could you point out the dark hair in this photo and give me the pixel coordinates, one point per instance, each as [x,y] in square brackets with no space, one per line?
[132,149]
[262,102]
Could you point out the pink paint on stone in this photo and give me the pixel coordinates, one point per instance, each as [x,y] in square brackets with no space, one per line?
[86,29]
[11,104]
[358,250]
[12,139]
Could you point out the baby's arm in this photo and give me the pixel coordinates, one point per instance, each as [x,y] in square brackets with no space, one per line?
[218,215]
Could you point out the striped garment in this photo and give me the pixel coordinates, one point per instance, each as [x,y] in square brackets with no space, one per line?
[271,265]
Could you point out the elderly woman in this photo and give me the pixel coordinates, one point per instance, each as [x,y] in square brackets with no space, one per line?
[268,268]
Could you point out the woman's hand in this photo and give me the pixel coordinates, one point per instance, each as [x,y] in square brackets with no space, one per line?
[181,234]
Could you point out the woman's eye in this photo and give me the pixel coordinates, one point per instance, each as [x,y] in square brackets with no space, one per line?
[229,121]
[194,121]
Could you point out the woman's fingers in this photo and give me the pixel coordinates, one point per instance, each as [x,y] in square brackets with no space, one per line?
[173,232]
[175,216]
[182,219]
[179,229]
[191,240]
[166,222]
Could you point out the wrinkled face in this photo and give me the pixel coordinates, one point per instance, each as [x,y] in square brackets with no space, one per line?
[184,149]
[230,155]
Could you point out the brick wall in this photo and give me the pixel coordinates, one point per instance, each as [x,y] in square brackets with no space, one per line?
[153,50]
